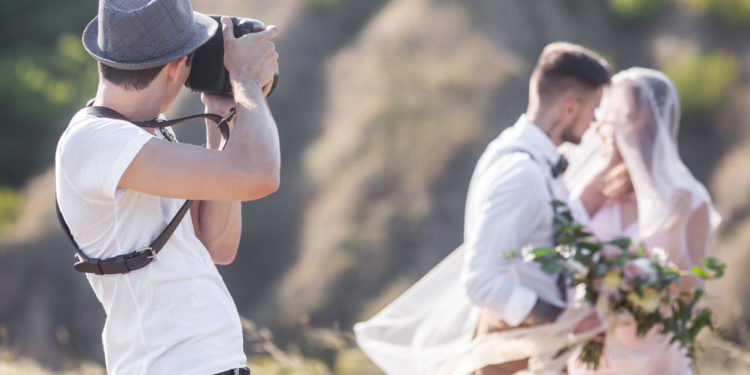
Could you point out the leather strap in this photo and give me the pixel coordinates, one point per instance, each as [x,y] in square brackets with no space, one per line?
[222,122]
[137,259]
[236,371]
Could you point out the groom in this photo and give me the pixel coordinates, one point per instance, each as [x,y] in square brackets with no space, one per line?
[508,204]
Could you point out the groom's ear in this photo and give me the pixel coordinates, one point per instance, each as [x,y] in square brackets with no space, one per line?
[570,107]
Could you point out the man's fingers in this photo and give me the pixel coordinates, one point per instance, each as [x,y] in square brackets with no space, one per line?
[269,33]
[227,28]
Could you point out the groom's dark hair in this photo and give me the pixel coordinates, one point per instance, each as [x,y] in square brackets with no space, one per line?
[564,66]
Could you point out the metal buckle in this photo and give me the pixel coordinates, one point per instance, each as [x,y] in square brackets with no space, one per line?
[151,256]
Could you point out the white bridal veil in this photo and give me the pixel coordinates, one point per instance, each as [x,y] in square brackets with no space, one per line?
[430,323]
[642,109]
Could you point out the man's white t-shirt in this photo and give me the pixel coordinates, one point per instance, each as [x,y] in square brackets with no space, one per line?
[174,316]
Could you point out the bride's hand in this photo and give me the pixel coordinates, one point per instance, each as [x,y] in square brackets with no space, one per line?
[616,181]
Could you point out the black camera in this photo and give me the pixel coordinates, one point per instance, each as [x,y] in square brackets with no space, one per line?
[207,72]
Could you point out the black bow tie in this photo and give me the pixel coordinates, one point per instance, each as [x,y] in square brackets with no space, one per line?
[560,167]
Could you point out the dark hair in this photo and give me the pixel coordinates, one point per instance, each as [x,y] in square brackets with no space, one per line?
[134,79]
[564,66]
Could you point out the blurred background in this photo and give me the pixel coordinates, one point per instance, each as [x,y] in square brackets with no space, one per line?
[383,108]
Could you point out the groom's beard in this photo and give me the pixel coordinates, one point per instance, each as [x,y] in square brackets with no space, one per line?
[570,133]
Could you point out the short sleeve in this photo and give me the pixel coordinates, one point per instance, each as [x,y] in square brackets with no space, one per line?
[95,152]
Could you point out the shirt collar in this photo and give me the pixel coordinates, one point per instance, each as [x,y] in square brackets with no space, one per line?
[540,143]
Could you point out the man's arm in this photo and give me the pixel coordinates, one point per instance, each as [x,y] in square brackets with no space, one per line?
[509,207]
[249,166]
[217,224]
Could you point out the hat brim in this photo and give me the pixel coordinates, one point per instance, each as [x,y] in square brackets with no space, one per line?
[203,28]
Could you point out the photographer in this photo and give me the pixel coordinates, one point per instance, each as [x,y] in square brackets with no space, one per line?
[119,185]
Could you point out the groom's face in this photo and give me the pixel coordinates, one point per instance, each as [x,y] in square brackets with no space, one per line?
[588,101]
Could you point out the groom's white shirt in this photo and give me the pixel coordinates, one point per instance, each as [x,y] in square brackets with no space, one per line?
[508,207]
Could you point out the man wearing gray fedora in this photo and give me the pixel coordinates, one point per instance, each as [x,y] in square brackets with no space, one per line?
[119,185]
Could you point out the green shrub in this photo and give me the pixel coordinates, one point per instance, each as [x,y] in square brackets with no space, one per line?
[322,4]
[45,76]
[731,13]
[703,81]
[10,206]
[635,10]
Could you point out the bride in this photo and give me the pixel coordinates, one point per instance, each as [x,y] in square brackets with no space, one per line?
[659,202]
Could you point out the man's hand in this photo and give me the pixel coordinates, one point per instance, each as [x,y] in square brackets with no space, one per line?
[219,105]
[251,59]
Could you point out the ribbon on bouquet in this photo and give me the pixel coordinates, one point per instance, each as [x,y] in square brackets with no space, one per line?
[543,343]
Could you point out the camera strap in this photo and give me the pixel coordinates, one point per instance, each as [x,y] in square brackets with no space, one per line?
[137,259]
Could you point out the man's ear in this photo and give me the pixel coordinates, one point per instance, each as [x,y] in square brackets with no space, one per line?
[173,69]
[571,107]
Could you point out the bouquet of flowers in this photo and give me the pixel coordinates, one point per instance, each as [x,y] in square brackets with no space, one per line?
[625,278]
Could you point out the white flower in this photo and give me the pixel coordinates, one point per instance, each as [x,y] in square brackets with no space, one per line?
[647,268]
[659,255]
[565,251]
[526,254]
[578,269]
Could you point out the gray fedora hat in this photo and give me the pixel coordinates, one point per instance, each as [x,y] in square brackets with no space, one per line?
[142,34]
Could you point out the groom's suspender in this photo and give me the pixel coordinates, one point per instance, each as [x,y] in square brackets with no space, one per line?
[512,149]
[561,282]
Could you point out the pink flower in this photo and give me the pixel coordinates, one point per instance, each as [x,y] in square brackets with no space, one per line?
[639,268]
[610,252]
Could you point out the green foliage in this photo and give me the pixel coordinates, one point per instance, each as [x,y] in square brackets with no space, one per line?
[45,75]
[731,13]
[10,206]
[635,10]
[703,81]
[322,4]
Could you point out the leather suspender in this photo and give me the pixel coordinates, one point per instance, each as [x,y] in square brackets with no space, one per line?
[137,259]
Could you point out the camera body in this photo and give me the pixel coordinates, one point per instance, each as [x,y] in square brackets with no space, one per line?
[207,72]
